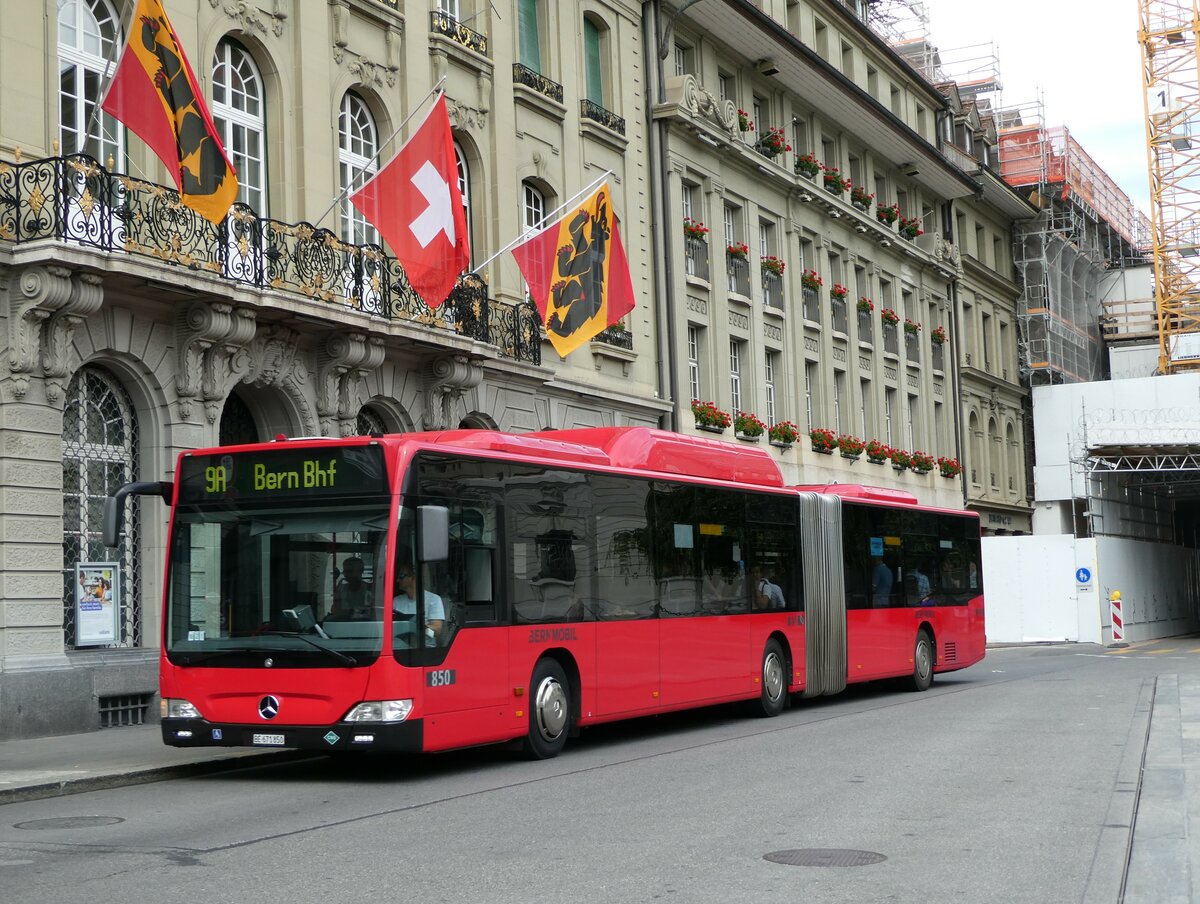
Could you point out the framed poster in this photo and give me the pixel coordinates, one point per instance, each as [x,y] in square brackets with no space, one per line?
[97,603]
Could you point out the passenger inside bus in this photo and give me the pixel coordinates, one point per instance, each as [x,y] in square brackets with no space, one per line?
[767,594]
[881,584]
[404,606]
[353,597]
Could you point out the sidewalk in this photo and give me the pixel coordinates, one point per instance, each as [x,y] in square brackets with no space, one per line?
[66,764]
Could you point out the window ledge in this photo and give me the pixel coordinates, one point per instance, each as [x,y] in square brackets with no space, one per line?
[539,102]
[589,128]
[439,43]
[699,282]
[602,350]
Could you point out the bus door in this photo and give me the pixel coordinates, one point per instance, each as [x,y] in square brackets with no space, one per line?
[703,594]
[466,686]
[624,605]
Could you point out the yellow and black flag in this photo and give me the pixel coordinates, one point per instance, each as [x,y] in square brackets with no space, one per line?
[577,273]
[155,93]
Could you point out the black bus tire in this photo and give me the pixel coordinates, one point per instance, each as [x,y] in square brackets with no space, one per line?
[773,697]
[922,675]
[549,711]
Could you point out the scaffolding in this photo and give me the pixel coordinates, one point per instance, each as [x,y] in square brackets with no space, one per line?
[1170,56]
[1085,226]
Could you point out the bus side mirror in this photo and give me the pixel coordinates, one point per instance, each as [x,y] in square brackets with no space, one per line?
[114,506]
[433,533]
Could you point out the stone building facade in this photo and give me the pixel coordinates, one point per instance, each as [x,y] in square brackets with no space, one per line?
[133,330]
[773,123]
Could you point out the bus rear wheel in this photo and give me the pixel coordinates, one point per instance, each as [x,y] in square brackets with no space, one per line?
[922,675]
[774,680]
[549,711]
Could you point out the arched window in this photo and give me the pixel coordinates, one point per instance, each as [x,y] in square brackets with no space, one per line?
[370,422]
[89,35]
[238,112]
[237,423]
[100,454]
[534,203]
[464,187]
[358,144]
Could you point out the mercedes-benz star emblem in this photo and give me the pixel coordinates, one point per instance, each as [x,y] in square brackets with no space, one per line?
[268,707]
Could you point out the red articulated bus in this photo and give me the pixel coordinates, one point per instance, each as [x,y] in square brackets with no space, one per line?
[437,590]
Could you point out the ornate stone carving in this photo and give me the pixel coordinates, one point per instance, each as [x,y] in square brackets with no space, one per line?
[46,305]
[208,337]
[87,295]
[445,379]
[688,93]
[463,117]
[251,19]
[344,358]
[271,358]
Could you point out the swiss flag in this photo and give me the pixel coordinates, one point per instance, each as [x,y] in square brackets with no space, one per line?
[415,204]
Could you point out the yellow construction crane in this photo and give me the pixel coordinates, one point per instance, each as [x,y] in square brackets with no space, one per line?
[1168,34]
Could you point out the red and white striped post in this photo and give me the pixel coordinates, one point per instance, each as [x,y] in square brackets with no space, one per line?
[1118,621]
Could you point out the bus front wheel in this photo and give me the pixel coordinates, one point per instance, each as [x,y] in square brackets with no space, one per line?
[549,711]
[922,675]
[774,680]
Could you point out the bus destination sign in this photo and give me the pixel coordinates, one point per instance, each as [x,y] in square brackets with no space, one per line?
[283,473]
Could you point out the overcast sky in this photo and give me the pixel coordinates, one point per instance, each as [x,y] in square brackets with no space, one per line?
[1082,56]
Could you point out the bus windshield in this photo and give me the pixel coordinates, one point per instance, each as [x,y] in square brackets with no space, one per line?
[302,583]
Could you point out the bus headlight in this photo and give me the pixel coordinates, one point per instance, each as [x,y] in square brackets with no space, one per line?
[177,709]
[380,711]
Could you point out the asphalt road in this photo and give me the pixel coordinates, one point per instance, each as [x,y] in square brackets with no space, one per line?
[1007,782]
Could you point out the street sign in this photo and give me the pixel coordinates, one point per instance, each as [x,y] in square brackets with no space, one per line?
[1083,576]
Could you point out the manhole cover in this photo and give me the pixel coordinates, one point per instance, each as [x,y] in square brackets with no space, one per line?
[824,857]
[70,822]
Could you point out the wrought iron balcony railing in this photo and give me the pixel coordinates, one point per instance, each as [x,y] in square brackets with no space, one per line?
[812,305]
[738,272]
[866,331]
[75,200]
[530,78]
[772,284]
[696,257]
[840,318]
[616,336]
[450,27]
[589,109]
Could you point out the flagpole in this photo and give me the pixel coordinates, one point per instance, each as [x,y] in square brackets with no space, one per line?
[106,81]
[545,219]
[375,159]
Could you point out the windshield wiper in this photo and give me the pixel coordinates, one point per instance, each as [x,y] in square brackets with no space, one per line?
[336,654]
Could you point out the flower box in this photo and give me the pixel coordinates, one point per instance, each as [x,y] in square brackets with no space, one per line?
[889,317]
[850,446]
[808,166]
[949,467]
[861,198]
[748,426]
[865,305]
[839,292]
[694,229]
[938,336]
[911,327]
[823,441]
[710,417]
[910,228]
[745,123]
[773,264]
[810,280]
[922,462]
[888,214]
[772,142]
[737,251]
[834,181]
[783,433]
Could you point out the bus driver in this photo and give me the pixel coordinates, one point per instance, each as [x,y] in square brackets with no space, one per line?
[404,605]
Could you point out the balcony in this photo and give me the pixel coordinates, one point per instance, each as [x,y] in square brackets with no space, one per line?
[840,320]
[937,356]
[866,327]
[772,285]
[891,339]
[589,109]
[76,201]
[695,257]
[449,27]
[617,336]
[912,348]
[523,75]
[738,272]
[812,305]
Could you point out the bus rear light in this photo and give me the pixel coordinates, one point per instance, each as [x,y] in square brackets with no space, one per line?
[380,711]
[177,709]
